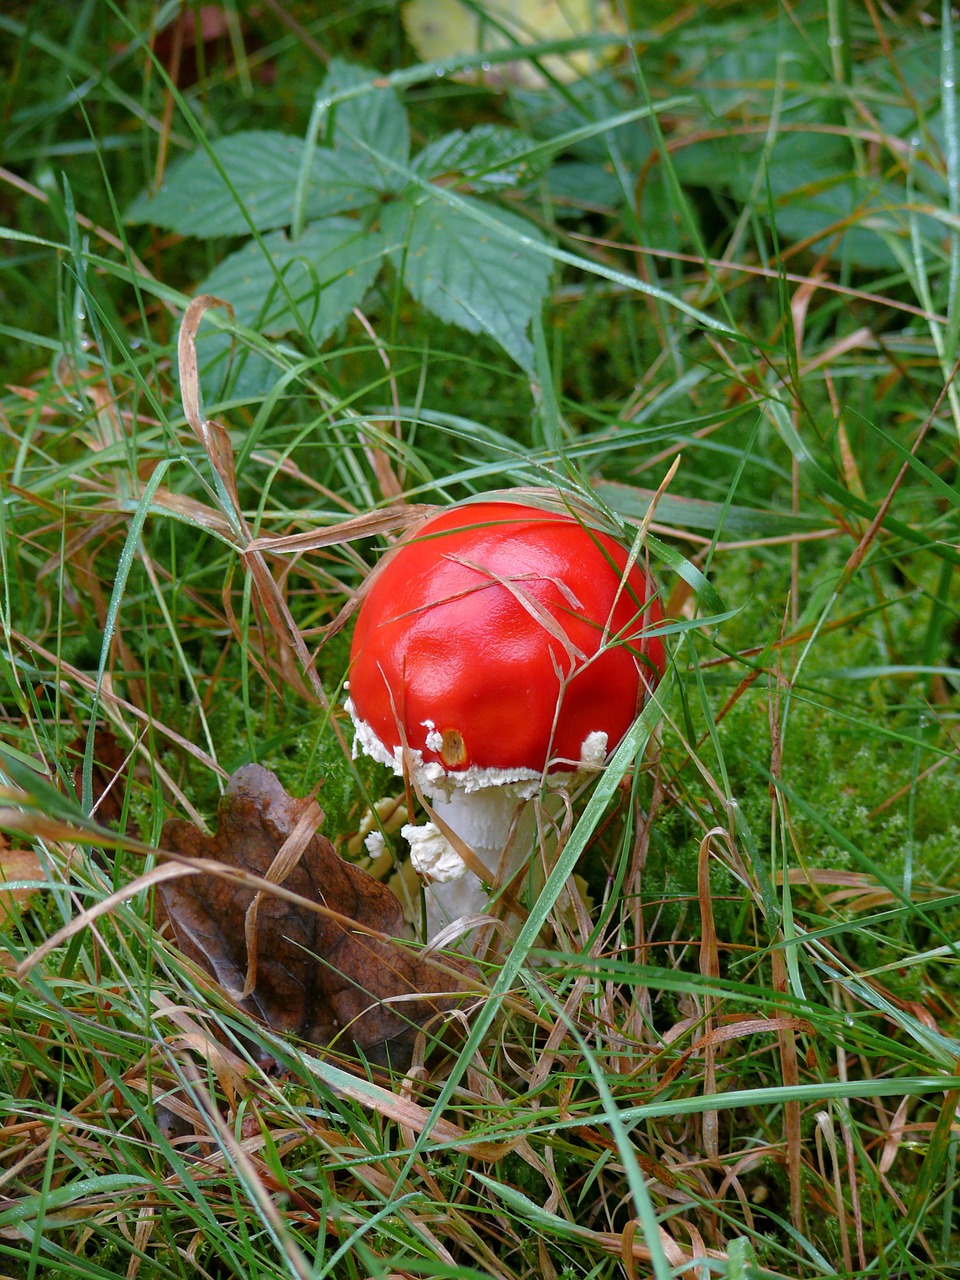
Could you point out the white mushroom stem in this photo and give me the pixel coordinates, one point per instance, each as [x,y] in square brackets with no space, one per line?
[482,820]
[487,809]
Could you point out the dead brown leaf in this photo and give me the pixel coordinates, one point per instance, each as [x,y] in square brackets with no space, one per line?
[332,970]
[16,864]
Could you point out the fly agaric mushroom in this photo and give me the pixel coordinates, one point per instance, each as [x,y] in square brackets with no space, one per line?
[502,648]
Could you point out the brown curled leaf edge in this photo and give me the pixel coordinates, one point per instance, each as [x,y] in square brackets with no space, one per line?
[337,976]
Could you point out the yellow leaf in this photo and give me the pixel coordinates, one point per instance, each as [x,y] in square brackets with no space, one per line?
[441,29]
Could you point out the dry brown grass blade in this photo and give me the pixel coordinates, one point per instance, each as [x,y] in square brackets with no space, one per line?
[710,969]
[193,511]
[28,821]
[212,436]
[790,1070]
[895,1136]
[876,524]
[369,525]
[860,340]
[831,1174]
[654,500]
[411,1115]
[630,1246]
[245,1167]
[749,271]
[232,1071]
[854,890]
[288,855]
[735,1027]
[114,703]
[391,483]
[216,444]
[91,914]
[787,1038]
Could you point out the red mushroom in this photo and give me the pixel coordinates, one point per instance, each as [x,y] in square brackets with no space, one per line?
[502,648]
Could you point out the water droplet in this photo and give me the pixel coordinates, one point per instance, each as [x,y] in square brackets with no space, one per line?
[835,42]
[441,71]
[848,1020]
[485,66]
[135,344]
[947,83]
[915,140]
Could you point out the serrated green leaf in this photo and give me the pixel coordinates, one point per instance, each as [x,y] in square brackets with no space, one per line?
[194,200]
[555,113]
[324,275]
[580,182]
[482,156]
[468,274]
[262,167]
[342,182]
[309,286]
[376,119]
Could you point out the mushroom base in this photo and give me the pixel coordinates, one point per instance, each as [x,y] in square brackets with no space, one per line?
[490,811]
[497,825]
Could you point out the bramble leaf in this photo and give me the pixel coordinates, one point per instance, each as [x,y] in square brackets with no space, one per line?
[468,274]
[308,285]
[263,169]
[374,119]
[485,157]
[483,279]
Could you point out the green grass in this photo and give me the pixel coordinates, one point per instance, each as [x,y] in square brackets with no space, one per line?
[730,1046]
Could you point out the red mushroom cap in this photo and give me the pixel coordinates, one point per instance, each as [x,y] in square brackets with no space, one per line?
[500,638]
